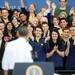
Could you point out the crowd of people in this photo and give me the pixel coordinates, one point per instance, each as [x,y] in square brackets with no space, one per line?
[51,32]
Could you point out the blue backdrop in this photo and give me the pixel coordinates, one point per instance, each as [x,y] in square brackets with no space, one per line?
[38,3]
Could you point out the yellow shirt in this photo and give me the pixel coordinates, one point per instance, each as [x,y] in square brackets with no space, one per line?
[30,19]
[37,39]
[60,32]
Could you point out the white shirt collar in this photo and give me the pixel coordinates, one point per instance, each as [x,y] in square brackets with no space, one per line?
[22,38]
[64,8]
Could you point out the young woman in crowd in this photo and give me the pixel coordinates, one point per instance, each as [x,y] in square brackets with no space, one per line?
[56,25]
[55,52]
[15,22]
[16,13]
[31,13]
[9,32]
[56,22]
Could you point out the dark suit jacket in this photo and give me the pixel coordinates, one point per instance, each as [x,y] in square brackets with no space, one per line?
[2,51]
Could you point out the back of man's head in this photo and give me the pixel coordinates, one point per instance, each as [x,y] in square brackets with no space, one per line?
[23,30]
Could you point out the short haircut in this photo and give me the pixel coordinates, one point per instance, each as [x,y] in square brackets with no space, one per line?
[58,18]
[22,13]
[44,23]
[60,0]
[23,30]
[66,28]
[4,9]
[15,10]
[38,27]
[64,19]
[72,27]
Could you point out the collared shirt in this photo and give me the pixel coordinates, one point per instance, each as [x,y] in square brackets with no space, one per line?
[17,51]
[62,8]
[38,39]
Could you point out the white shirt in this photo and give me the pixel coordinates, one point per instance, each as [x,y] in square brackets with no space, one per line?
[17,51]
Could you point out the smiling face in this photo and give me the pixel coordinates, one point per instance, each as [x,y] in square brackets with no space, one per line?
[16,14]
[9,26]
[66,33]
[30,29]
[38,32]
[2,26]
[72,31]
[5,14]
[35,21]
[63,23]
[43,9]
[54,35]
[45,28]
[14,21]
[62,3]
[23,17]
[55,21]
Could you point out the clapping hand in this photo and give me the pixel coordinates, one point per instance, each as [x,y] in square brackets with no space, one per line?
[55,48]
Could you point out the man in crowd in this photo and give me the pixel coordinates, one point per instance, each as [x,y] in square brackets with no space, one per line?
[62,11]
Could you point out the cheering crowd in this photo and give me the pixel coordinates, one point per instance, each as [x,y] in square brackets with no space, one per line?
[51,32]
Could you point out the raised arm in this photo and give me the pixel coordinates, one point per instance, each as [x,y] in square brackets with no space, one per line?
[22,4]
[23,9]
[49,7]
[53,8]
[6,4]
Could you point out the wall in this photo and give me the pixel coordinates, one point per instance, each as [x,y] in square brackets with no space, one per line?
[38,3]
